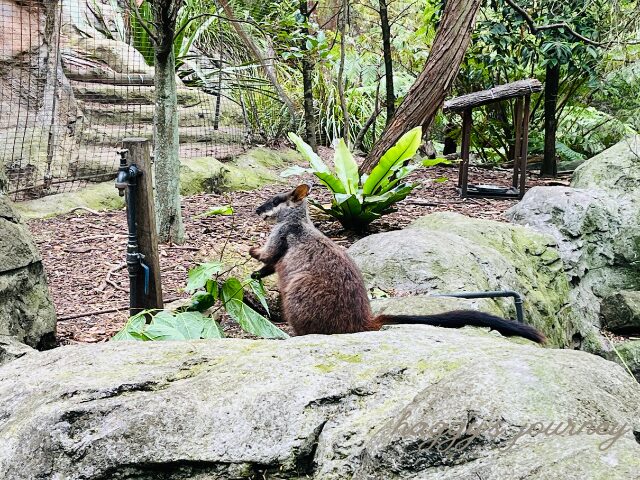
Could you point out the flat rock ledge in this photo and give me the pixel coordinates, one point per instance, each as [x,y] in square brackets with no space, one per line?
[410,402]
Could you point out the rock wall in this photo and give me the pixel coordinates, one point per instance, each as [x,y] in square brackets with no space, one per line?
[26,310]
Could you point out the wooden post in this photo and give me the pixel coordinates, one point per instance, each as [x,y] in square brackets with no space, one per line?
[525,144]
[517,150]
[465,152]
[145,216]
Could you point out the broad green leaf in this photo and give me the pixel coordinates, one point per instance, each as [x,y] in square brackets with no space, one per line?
[431,162]
[397,195]
[257,287]
[212,329]
[400,174]
[393,159]
[294,171]
[349,203]
[232,289]
[307,152]
[251,321]
[212,288]
[133,328]
[201,301]
[183,326]
[331,182]
[220,210]
[346,167]
[199,275]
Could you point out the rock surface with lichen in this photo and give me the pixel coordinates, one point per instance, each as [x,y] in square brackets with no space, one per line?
[596,224]
[365,406]
[26,310]
[452,253]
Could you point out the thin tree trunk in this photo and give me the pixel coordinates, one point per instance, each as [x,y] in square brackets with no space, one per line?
[341,80]
[552,84]
[267,65]
[166,136]
[430,89]
[388,61]
[307,85]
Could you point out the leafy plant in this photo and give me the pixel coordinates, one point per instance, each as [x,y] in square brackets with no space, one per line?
[359,200]
[197,320]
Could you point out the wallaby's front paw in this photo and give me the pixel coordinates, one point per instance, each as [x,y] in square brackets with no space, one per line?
[255,252]
[256,275]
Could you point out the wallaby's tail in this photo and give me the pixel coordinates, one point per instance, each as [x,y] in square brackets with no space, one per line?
[461,318]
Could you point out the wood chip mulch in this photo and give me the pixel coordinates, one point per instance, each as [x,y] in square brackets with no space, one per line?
[84,253]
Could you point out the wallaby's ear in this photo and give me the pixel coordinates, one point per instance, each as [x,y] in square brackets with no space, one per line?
[300,192]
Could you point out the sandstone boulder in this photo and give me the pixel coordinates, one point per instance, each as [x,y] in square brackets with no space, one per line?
[620,312]
[447,252]
[26,311]
[406,403]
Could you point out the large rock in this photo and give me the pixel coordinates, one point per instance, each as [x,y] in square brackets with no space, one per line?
[373,405]
[448,252]
[26,311]
[596,224]
[11,349]
[620,312]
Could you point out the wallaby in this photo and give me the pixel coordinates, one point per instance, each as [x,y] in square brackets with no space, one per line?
[323,290]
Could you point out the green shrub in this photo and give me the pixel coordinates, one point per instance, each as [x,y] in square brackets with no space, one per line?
[198,318]
[359,200]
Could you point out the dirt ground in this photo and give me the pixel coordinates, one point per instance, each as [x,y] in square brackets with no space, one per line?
[84,253]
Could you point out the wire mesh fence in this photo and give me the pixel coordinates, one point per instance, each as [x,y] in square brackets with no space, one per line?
[77,77]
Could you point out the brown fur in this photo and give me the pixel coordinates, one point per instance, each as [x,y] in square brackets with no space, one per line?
[322,289]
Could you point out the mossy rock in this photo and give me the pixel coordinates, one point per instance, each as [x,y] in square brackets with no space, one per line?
[452,253]
[254,169]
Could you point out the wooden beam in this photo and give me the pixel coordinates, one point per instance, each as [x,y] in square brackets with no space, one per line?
[465,151]
[145,217]
[496,94]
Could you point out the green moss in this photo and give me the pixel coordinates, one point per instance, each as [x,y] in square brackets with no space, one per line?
[325,367]
[355,358]
[254,169]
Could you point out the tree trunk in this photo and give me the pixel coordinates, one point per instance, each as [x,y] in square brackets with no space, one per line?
[267,64]
[307,85]
[552,84]
[388,61]
[428,92]
[341,80]
[165,130]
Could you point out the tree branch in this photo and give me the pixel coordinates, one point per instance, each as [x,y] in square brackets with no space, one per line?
[533,28]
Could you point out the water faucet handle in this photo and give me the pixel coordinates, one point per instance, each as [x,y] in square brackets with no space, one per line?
[123,152]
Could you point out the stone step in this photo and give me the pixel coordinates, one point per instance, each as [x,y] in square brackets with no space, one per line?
[113,134]
[131,94]
[200,115]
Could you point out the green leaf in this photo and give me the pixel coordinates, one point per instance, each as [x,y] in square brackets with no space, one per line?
[393,159]
[251,321]
[183,326]
[212,329]
[133,328]
[349,204]
[220,210]
[386,200]
[431,162]
[232,289]
[318,167]
[258,289]
[212,288]
[198,276]
[331,182]
[346,167]
[201,301]
[307,152]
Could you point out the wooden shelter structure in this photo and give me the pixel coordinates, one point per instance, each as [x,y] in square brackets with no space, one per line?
[521,91]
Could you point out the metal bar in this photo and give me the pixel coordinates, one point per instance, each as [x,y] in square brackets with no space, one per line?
[517,298]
